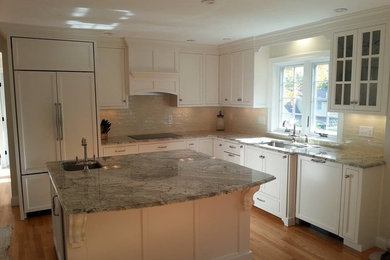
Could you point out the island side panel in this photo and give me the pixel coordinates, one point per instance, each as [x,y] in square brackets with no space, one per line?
[210,228]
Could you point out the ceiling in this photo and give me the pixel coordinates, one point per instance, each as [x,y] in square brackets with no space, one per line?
[178,20]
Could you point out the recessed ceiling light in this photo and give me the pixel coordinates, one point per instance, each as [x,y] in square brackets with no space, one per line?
[340,10]
[190,40]
[209,2]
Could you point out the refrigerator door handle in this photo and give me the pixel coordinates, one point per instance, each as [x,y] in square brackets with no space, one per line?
[60,121]
[57,120]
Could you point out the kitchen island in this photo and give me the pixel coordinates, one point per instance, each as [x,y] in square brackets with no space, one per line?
[163,205]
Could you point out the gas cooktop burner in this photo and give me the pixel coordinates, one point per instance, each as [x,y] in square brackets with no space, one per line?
[154,136]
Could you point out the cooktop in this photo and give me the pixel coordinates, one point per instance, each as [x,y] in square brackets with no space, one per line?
[154,136]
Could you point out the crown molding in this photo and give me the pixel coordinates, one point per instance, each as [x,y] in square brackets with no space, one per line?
[323,27]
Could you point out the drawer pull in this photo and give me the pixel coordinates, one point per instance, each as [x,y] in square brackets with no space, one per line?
[231,146]
[284,156]
[239,99]
[262,156]
[318,160]
[346,176]
[231,155]
[261,200]
[120,151]
[162,147]
[191,144]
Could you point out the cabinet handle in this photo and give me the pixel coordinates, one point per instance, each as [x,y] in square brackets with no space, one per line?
[354,102]
[60,121]
[220,144]
[124,100]
[239,99]
[318,160]
[54,205]
[231,155]
[346,176]
[180,99]
[57,124]
[262,156]
[226,99]
[162,147]
[284,156]
[260,200]
[120,151]
[191,144]
[231,146]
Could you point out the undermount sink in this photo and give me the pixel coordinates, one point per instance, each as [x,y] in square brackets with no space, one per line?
[79,166]
[287,145]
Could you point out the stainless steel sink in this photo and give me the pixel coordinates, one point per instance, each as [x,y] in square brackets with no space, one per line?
[286,145]
[79,166]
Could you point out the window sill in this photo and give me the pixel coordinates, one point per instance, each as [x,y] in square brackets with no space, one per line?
[331,140]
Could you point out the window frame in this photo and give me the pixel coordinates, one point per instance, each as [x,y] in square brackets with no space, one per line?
[308,60]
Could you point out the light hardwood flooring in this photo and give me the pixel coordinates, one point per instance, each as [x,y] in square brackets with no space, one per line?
[33,238]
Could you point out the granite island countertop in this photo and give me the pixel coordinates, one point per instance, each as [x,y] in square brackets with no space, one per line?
[361,157]
[149,179]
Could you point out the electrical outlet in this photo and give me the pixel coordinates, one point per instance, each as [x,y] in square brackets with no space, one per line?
[366,131]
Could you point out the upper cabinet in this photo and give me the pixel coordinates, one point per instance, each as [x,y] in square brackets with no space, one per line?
[359,71]
[112,77]
[243,78]
[52,55]
[198,79]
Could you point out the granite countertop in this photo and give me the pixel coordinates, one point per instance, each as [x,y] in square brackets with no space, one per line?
[361,157]
[149,179]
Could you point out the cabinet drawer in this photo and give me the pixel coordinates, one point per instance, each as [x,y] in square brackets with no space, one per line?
[234,148]
[268,204]
[166,146]
[36,192]
[192,145]
[120,150]
[231,157]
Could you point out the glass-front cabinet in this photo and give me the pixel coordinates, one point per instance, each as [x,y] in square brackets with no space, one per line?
[357,68]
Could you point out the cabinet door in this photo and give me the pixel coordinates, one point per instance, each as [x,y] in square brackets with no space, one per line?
[370,56]
[350,203]
[211,64]
[343,64]
[218,148]
[225,79]
[319,193]
[248,66]
[111,78]
[36,99]
[36,192]
[237,77]
[57,219]
[253,159]
[76,94]
[190,79]
[192,145]
[54,55]
[276,165]
[164,60]
[206,146]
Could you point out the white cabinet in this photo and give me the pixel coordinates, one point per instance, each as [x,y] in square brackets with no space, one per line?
[190,79]
[233,152]
[53,55]
[112,78]
[359,70]
[120,149]
[198,80]
[243,78]
[276,197]
[192,144]
[360,206]
[319,192]
[161,146]
[218,148]
[146,82]
[57,223]
[205,145]
[36,192]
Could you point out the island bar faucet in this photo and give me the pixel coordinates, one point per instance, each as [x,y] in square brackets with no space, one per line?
[84,144]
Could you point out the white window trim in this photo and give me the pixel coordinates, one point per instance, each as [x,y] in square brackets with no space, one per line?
[274,95]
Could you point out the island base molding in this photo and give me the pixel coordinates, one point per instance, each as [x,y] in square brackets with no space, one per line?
[212,228]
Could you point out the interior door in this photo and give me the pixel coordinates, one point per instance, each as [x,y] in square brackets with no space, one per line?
[76,95]
[36,99]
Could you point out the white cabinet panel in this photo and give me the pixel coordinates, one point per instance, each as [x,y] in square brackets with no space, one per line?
[319,192]
[190,79]
[253,158]
[164,60]
[236,78]
[76,93]
[219,148]
[36,192]
[162,146]
[206,146]
[225,79]
[54,55]
[111,78]
[276,165]
[211,64]
[120,150]
[248,67]
[192,145]
[36,97]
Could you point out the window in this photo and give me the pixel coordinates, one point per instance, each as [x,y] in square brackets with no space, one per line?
[302,98]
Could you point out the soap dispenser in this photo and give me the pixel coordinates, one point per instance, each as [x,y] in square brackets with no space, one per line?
[220,122]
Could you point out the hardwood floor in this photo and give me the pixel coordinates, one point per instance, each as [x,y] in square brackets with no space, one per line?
[32,239]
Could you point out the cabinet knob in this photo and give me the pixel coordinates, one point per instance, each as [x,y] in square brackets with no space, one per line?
[226,99]
[220,144]
[284,156]
[346,176]
[180,99]
[239,99]
[124,100]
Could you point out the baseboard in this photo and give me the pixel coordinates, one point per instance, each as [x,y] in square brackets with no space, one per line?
[237,256]
[381,242]
[289,221]
[15,201]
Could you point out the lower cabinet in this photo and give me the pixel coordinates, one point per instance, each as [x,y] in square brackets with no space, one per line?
[278,196]
[120,149]
[205,145]
[233,152]
[341,199]
[57,222]
[36,192]
[218,148]
[161,146]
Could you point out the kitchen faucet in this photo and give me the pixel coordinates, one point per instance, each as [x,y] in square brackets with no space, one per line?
[84,144]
